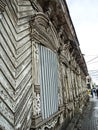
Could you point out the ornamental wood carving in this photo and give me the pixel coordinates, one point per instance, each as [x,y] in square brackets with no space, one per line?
[42,31]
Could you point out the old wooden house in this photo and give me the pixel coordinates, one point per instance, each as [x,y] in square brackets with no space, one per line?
[42,69]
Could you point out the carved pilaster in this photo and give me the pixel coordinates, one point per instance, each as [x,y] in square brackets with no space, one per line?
[70,84]
[36,118]
[36,105]
[60,91]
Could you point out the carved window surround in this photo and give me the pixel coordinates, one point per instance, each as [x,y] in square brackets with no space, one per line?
[47,123]
[42,31]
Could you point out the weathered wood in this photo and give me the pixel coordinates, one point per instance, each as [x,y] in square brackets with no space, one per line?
[15,64]
[2,5]
[23,25]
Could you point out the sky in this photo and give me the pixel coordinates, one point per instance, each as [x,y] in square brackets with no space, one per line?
[84,14]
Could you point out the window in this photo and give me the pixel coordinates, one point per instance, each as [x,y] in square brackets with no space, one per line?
[48,81]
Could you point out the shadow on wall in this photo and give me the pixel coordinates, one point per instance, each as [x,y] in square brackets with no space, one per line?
[1,128]
[65,124]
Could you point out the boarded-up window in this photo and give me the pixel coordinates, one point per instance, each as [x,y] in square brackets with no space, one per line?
[48,81]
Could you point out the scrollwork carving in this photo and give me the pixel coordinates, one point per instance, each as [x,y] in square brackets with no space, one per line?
[36,105]
[49,125]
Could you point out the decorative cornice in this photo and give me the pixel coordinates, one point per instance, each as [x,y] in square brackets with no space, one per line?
[2,5]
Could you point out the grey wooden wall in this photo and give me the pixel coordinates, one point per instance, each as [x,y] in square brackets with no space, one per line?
[16,68]
[15,64]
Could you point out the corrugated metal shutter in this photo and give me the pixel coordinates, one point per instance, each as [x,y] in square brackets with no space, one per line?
[48,81]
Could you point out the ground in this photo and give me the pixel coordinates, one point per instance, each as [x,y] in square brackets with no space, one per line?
[89,118]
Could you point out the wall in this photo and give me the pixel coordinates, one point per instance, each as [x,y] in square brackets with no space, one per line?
[24,25]
[16,67]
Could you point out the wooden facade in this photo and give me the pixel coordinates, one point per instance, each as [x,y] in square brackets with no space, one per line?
[43,72]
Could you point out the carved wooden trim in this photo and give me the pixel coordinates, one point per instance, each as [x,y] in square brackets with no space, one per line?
[2,5]
[42,31]
[36,5]
[41,124]
[64,60]
[37,89]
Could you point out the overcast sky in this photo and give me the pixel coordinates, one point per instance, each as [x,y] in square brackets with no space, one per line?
[84,14]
